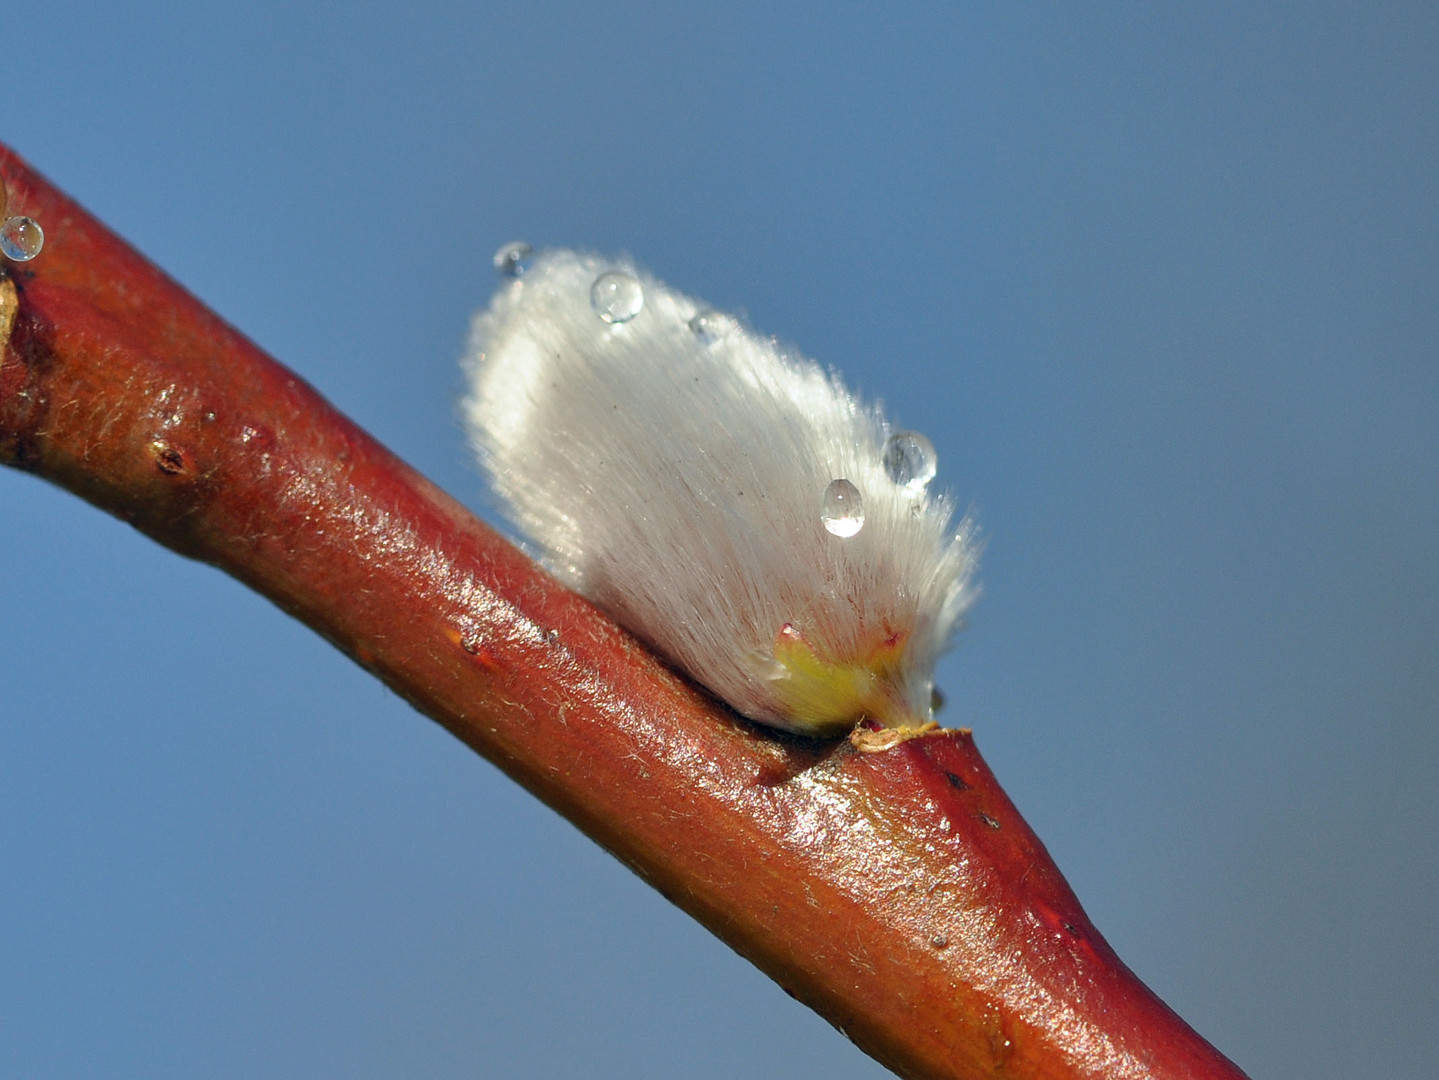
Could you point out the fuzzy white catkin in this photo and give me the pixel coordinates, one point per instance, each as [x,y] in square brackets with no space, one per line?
[674,470]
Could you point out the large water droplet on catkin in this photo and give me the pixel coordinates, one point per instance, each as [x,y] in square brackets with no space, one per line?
[21,238]
[513,260]
[616,297]
[843,510]
[910,460]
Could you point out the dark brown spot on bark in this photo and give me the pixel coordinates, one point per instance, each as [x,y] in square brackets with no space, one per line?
[169,460]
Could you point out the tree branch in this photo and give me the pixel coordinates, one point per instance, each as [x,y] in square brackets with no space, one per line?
[898,893]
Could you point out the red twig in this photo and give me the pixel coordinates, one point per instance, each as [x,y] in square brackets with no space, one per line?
[898,893]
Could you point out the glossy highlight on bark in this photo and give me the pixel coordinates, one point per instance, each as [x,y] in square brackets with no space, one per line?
[898,893]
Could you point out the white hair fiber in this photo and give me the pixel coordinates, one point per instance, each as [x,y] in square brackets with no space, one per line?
[720,495]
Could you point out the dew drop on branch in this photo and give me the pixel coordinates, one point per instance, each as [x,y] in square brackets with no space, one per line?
[21,238]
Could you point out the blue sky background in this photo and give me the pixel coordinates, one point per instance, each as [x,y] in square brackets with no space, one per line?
[1161,284]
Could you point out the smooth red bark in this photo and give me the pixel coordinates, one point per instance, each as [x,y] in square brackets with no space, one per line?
[898,893]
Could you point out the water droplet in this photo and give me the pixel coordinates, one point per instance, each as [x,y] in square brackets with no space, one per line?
[513,260]
[843,509]
[910,460]
[710,325]
[21,238]
[616,297]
